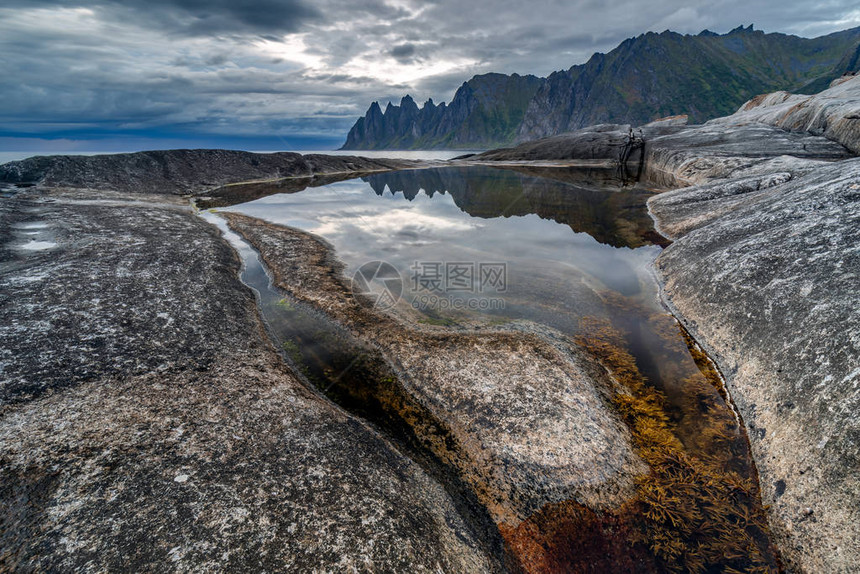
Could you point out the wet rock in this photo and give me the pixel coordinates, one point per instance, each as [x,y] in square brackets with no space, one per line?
[147,425]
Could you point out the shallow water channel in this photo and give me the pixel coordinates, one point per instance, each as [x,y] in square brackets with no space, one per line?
[482,248]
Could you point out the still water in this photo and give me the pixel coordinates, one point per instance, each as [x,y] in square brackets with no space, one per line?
[469,234]
[479,247]
[485,246]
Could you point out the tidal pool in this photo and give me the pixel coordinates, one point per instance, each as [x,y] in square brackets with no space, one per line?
[486,248]
[481,246]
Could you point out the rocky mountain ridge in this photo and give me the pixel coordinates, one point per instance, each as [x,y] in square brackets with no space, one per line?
[485,110]
[647,77]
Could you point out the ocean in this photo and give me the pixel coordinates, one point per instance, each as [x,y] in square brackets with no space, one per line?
[7,156]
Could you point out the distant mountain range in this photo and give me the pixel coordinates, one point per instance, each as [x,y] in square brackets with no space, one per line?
[651,76]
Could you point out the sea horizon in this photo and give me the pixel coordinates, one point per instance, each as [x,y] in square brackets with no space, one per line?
[7,156]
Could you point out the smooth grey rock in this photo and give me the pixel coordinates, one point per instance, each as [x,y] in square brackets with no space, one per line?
[833,113]
[697,154]
[764,271]
[147,424]
[679,120]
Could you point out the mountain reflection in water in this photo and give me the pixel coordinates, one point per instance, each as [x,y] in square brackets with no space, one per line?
[590,201]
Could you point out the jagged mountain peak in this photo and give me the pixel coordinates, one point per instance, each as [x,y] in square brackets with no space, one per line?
[741,30]
[485,111]
[408,105]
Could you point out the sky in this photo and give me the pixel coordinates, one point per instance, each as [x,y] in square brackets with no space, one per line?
[88,75]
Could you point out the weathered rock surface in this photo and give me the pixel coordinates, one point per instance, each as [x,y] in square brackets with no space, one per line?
[181,171]
[604,142]
[671,154]
[146,423]
[833,113]
[697,154]
[764,272]
[524,417]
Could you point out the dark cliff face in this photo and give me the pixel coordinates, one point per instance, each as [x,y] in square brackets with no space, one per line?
[644,78]
[486,111]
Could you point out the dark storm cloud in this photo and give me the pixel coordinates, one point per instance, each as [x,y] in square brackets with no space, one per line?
[196,17]
[310,67]
[403,53]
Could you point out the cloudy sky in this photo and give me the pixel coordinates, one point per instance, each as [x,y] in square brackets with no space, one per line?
[295,74]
